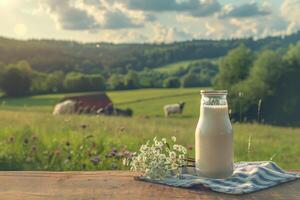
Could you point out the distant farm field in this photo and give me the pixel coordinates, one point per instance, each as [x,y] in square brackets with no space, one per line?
[143,102]
[169,68]
[32,139]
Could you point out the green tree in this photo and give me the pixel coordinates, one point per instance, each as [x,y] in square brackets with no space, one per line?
[287,93]
[172,82]
[39,83]
[258,87]
[132,80]
[151,79]
[271,90]
[2,69]
[116,82]
[24,66]
[76,82]
[206,78]
[96,82]
[15,82]
[191,80]
[55,81]
[234,67]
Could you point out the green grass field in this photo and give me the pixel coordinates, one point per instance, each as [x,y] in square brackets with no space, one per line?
[154,99]
[32,139]
[169,68]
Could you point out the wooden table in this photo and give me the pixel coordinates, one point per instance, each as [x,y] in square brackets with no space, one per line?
[114,185]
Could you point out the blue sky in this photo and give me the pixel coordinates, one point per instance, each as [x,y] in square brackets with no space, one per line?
[147,20]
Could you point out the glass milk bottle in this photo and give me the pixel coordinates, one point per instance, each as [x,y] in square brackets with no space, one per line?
[214,136]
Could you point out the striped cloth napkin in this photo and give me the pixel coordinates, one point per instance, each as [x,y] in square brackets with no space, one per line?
[247,177]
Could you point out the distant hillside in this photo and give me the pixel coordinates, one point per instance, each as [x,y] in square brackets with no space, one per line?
[51,55]
[173,67]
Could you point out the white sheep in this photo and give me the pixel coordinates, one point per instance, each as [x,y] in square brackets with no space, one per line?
[173,108]
[65,107]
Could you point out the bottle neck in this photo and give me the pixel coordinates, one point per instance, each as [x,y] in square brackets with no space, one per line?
[214,107]
[214,100]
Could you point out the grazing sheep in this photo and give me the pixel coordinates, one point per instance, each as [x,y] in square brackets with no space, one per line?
[65,107]
[174,108]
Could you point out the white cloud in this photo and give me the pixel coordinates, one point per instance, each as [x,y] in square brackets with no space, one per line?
[94,15]
[206,8]
[149,20]
[182,18]
[197,8]
[122,36]
[215,28]
[272,24]
[68,16]
[251,9]
[166,34]
[117,19]
[290,10]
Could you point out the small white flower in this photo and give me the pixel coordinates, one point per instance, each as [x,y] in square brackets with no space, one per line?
[174,166]
[173,138]
[172,154]
[176,147]
[157,160]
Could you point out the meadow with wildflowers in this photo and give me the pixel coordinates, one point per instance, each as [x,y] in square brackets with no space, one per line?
[32,139]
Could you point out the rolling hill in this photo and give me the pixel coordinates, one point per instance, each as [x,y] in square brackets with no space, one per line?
[173,67]
[51,55]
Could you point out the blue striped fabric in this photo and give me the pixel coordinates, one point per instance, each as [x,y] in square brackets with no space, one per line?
[247,177]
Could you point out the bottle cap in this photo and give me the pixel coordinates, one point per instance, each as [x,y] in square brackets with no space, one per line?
[213,92]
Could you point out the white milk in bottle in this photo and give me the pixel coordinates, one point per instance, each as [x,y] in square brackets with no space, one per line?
[214,136]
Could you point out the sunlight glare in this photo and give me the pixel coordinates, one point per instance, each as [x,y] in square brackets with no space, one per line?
[4,3]
[20,29]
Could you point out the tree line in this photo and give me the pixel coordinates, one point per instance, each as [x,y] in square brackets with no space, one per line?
[69,56]
[19,79]
[264,86]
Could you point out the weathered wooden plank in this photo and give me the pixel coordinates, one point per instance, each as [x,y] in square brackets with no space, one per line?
[113,185]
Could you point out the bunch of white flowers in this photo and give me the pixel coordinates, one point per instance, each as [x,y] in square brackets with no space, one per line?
[158,159]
